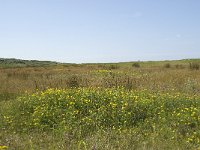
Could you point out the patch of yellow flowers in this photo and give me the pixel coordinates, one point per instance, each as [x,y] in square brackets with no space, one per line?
[116,108]
[3,147]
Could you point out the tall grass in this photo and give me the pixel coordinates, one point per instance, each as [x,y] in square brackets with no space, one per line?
[100,106]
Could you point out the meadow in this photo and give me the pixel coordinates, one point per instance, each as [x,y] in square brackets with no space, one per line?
[130,105]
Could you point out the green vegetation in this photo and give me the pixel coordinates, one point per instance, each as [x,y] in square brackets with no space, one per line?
[24,63]
[194,66]
[137,65]
[101,106]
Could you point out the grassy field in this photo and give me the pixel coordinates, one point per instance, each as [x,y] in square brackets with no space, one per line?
[128,105]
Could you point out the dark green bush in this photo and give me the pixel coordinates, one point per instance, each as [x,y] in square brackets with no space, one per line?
[136,65]
[194,66]
[167,65]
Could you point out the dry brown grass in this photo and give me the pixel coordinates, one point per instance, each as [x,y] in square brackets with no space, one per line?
[157,78]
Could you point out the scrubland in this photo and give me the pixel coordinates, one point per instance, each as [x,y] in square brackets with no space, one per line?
[134,105]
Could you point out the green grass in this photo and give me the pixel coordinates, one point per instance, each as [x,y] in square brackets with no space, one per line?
[5,63]
[82,113]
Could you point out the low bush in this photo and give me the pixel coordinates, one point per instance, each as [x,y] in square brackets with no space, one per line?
[136,65]
[194,66]
[179,66]
[167,65]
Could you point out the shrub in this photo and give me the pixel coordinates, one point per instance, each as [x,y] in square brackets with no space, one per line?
[73,81]
[136,65]
[167,65]
[113,67]
[194,66]
[179,66]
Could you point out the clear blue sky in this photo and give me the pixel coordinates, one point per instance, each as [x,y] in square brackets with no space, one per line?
[99,30]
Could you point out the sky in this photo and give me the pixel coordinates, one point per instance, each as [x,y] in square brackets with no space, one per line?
[88,31]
